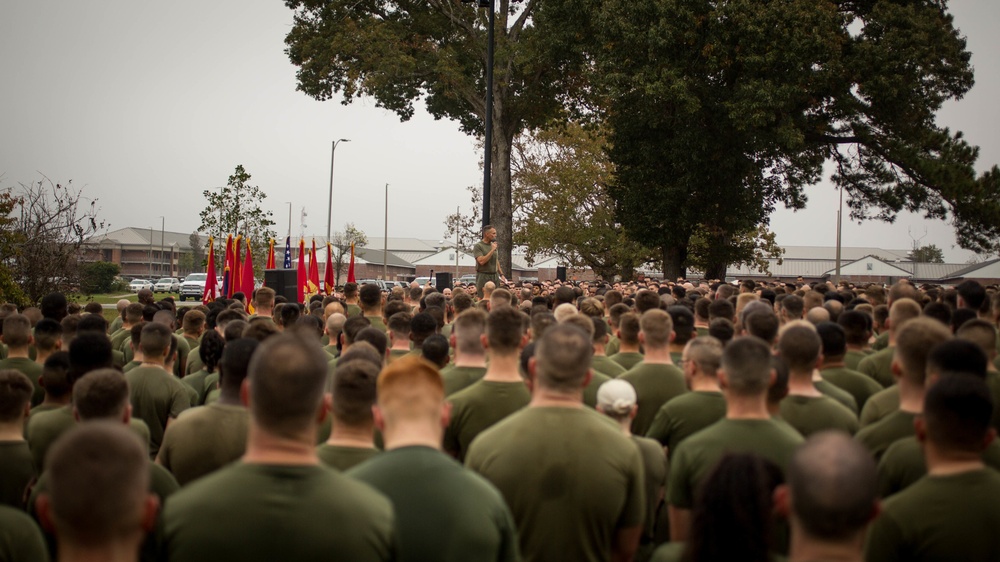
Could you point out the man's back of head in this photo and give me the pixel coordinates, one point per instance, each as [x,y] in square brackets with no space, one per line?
[410,391]
[763,324]
[87,352]
[746,366]
[800,346]
[353,389]
[914,342]
[832,484]
[646,300]
[101,395]
[957,414]
[98,490]
[371,297]
[287,376]
[505,329]
[683,324]
[235,363]
[562,359]
[656,328]
[468,328]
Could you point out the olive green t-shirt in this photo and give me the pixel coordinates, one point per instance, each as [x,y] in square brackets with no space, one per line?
[481,249]
[654,468]
[903,464]
[584,483]
[674,552]
[120,339]
[808,415]
[204,439]
[397,353]
[613,345]
[156,396]
[698,454]
[293,513]
[878,366]
[860,387]
[953,517]
[993,382]
[833,391]
[478,407]
[196,380]
[116,324]
[627,359]
[131,365]
[194,362]
[16,472]
[604,364]
[456,378]
[444,512]
[20,537]
[590,391]
[878,436]
[344,458]
[32,370]
[655,384]
[880,405]
[353,310]
[686,415]
[853,358]
[45,427]
[377,322]
[881,341]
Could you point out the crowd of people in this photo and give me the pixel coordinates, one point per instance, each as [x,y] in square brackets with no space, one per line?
[695,421]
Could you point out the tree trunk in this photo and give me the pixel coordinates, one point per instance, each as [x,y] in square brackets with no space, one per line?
[501,213]
[673,262]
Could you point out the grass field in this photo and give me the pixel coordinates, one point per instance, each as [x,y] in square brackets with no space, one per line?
[110,313]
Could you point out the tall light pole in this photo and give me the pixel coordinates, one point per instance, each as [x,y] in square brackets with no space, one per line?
[488,156]
[840,212]
[458,231]
[163,223]
[151,253]
[385,238]
[329,207]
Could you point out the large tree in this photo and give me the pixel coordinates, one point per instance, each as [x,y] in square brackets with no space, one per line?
[48,224]
[236,210]
[562,206]
[722,110]
[341,247]
[401,51]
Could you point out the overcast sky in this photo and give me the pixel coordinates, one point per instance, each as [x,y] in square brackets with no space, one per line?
[147,104]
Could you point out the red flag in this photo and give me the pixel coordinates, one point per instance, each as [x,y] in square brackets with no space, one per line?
[247,283]
[227,268]
[211,288]
[313,271]
[303,278]
[328,281]
[237,284]
[350,267]
[270,256]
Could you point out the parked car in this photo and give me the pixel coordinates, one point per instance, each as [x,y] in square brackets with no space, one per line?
[193,286]
[167,285]
[383,285]
[467,278]
[423,281]
[139,284]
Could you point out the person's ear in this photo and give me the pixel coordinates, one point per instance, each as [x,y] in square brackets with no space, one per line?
[588,377]
[920,428]
[325,407]
[150,511]
[378,418]
[445,414]
[991,434]
[127,414]
[245,392]
[642,339]
[43,507]
[633,412]
[484,341]
[896,368]
[781,497]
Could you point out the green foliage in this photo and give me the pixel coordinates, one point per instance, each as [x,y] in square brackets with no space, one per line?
[720,111]
[9,247]
[400,51]
[562,204]
[98,277]
[927,254]
[236,210]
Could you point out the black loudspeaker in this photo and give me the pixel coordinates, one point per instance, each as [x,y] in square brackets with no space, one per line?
[561,273]
[284,282]
[443,279]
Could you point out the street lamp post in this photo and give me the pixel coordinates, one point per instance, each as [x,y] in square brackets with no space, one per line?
[163,223]
[329,208]
[488,156]
[385,238]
